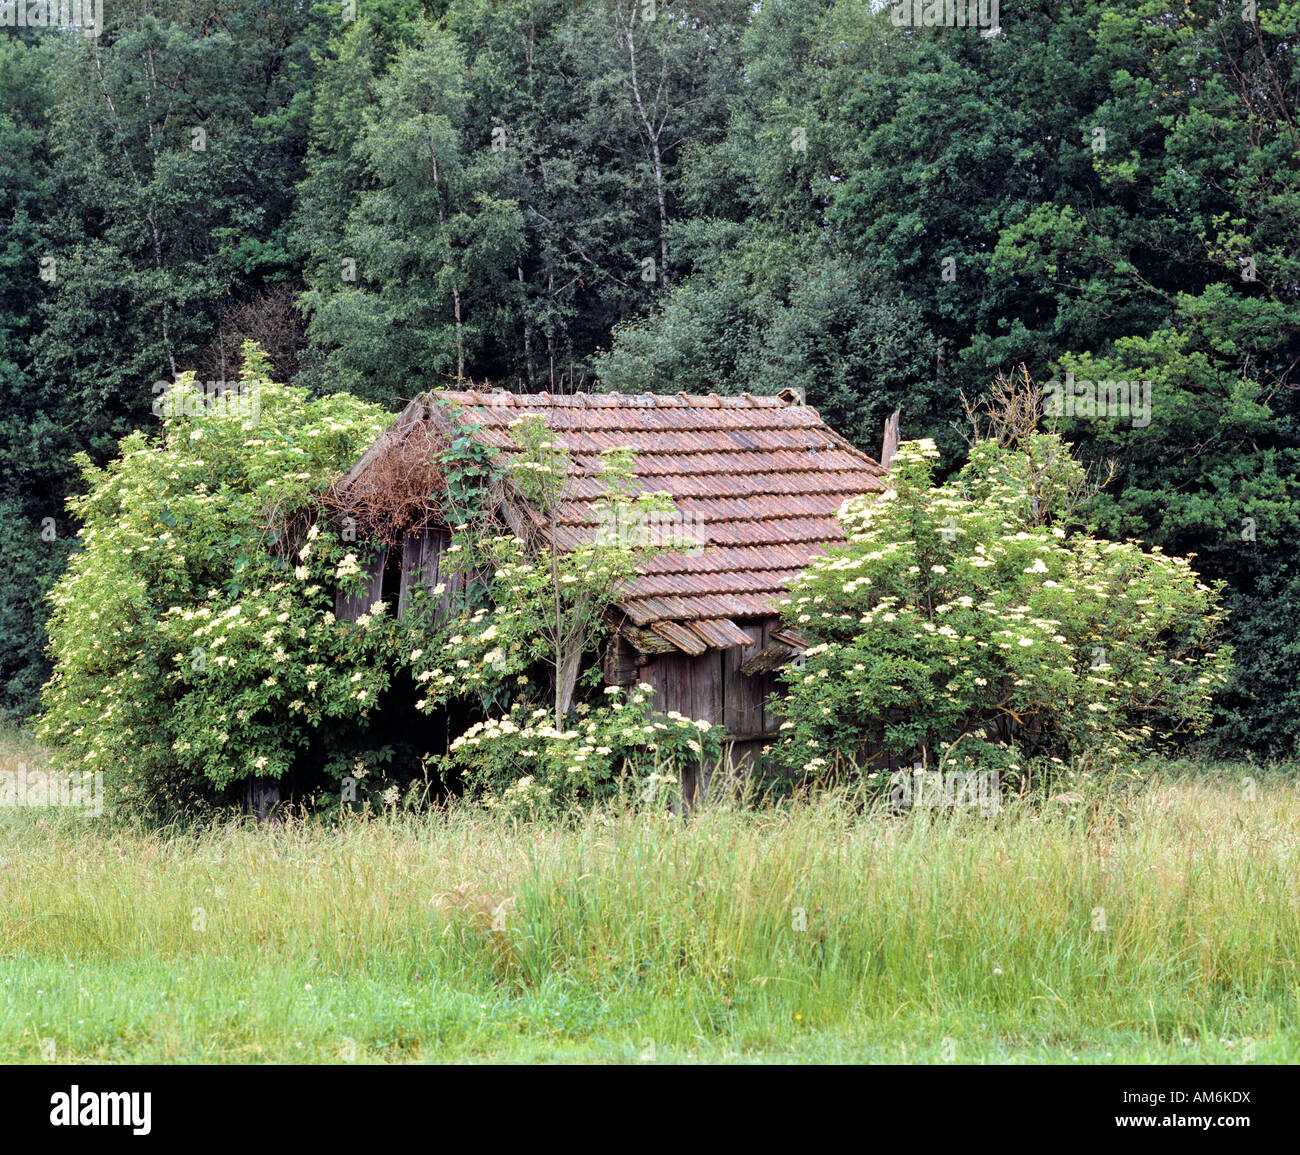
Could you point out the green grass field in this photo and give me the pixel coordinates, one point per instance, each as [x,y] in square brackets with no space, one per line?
[1166,933]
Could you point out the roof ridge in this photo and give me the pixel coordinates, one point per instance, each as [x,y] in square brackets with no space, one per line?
[710,400]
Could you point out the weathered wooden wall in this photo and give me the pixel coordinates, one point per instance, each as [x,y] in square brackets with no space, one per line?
[348,609]
[711,687]
[422,564]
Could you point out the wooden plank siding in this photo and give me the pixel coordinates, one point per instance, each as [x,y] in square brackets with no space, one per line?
[348,609]
[424,564]
[710,687]
[421,564]
[419,555]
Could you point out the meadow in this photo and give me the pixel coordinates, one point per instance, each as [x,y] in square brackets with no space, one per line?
[1161,927]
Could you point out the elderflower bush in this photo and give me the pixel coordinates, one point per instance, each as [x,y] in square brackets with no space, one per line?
[497,653]
[479,650]
[522,762]
[966,624]
[193,647]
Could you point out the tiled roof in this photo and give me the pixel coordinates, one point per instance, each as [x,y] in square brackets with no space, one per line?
[759,478]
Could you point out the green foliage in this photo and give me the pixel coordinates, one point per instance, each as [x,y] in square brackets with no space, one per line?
[522,763]
[772,314]
[878,216]
[468,467]
[175,145]
[499,176]
[193,635]
[146,176]
[33,552]
[972,622]
[32,549]
[428,246]
[1213,475]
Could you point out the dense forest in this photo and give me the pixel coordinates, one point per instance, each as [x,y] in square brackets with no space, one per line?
[640,195]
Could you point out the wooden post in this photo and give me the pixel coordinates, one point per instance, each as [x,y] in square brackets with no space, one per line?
[889,446]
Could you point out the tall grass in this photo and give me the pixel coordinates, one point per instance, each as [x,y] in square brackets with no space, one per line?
[815,931]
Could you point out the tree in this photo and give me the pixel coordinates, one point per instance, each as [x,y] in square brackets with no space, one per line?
[194,640]
[428,247]
[34,539]
[148,173]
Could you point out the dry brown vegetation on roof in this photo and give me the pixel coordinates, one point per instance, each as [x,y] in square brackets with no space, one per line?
[399,492]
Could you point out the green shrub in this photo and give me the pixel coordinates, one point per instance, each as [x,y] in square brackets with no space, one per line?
[523,762]
[974,625]
[193,636]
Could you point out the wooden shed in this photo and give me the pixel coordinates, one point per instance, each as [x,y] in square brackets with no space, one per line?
[759,479]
